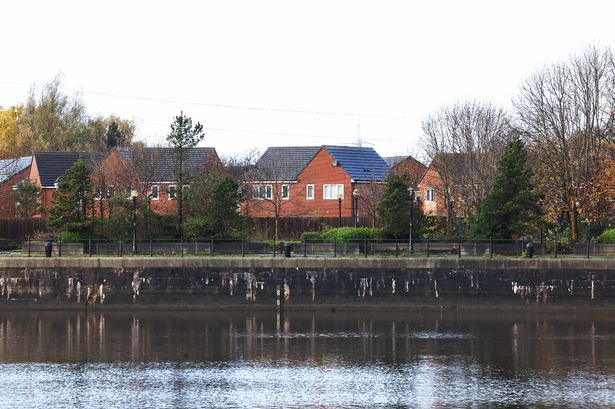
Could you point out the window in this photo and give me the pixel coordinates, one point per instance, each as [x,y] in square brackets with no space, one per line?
[430,195]
[110,191]
[285,193]
[172,192]
[261,192]
[127,191]
[331,191]
[309,191]
[155,192]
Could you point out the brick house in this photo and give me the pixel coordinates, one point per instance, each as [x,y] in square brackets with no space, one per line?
[314,181]
[149,170]
[12,171]
[408,168]
[48,167]
[438,185]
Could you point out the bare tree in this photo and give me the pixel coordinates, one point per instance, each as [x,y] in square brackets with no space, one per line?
[464,142]
[566,111]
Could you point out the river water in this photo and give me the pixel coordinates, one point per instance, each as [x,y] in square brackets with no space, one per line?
[324,359]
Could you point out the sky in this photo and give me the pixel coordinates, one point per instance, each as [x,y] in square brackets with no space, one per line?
[290,73]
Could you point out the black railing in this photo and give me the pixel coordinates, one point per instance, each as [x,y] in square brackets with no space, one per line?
[310,248]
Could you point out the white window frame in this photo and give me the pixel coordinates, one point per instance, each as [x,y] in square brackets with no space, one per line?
[307,192]
[109,192]
[268,192]
[172,196]
[331,190]
[430,194]
[155,196]
[285,193]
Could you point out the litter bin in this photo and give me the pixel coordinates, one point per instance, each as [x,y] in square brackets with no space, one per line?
[48,248]
[530,249]
[287,249]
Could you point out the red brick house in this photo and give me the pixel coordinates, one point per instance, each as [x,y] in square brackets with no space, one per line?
[408,168]
[147,170]
[48,167]
[150,172]
[313,181]
[438,185]
[12,171]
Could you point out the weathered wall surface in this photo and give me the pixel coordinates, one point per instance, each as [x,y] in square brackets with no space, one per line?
[221,282]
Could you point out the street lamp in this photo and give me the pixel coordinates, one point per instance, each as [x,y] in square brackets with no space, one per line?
[133,195]
[339,206]
[355,196]
[412,197]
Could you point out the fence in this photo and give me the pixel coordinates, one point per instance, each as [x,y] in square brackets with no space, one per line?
[359,248]
[13,228]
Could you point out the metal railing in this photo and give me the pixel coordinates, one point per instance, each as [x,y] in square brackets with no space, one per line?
[308,248]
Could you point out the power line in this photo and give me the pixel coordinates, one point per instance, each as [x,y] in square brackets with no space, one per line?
[238,107]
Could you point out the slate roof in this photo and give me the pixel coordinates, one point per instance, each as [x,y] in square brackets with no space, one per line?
[363,164]
[394,160]
[11,167]
[283,163]
[52,165]
[163,159]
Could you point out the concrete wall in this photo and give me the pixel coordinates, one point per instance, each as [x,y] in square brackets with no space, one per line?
[305,282]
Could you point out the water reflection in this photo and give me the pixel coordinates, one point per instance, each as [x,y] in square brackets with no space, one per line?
[325,359]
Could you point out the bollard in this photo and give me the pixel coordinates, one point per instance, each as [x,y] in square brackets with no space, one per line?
[121,248]
[243,248]
[334,247]
[588,246]
[304,247]
[90,246]
[427,247]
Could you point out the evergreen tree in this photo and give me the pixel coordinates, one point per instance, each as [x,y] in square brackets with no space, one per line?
[511,205]
[394,208]
[183,138]
[27,197]
[72,200]
[113,137]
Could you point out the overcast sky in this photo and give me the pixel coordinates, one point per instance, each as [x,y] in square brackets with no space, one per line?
[273,73]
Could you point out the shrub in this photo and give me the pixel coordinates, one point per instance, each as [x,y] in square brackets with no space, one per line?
[607,237]
[311,236]
[71,237]
[350,234]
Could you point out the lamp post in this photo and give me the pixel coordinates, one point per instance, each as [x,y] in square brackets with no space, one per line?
[355,196]
[339,207]
[149,213]
[133,195]
[412,196]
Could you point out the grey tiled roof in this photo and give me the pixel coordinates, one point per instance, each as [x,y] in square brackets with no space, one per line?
[283,163]
[11,167]
[52,165]
[163,161]
[394,160]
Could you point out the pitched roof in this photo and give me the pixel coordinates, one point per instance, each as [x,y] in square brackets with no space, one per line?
[52,165]
[393,160]
[361,163]
[11,167]
[283,163]
[163,160]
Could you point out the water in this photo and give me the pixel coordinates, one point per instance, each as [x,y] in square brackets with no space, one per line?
[314,360]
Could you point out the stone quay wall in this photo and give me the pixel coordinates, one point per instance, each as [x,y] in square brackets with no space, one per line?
[225,282]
